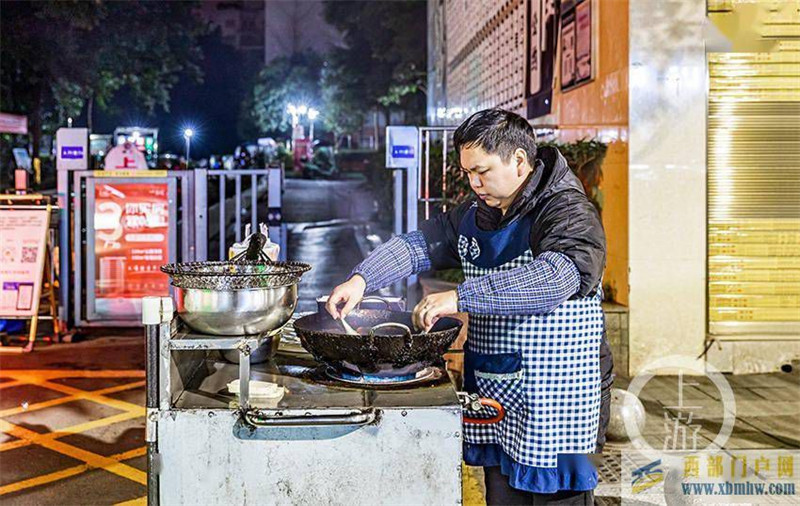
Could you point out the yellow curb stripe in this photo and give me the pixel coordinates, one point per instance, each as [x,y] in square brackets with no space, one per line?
[65,473]
[70,398]
[74,429]
[141,501]
[88,457]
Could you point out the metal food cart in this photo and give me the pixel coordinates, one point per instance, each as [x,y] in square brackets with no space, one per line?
[323,442]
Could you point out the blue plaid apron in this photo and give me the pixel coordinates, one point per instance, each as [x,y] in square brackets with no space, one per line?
[543,369]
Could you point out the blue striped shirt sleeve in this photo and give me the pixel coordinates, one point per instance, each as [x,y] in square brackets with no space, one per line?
[535,288]
[396,259]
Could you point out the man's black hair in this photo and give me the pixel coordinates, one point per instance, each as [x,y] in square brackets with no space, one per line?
[497,132]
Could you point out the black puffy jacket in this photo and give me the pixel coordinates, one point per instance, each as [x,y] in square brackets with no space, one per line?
[564,221]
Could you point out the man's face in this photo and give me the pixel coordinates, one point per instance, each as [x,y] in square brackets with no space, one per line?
[494,180]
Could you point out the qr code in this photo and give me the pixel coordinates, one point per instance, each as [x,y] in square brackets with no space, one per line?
[28,255]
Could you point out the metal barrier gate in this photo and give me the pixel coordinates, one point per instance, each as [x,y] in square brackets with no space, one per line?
[193,227]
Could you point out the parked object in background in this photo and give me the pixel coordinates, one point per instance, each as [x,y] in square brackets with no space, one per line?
[624,406]
[322,164]
[269,248]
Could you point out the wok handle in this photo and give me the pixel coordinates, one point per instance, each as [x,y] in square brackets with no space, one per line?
[258,418]
[374,298]
[409,339]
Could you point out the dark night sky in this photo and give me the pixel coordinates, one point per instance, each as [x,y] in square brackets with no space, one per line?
[211,108]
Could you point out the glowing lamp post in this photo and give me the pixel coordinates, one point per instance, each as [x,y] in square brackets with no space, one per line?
[187,135]
[312,115]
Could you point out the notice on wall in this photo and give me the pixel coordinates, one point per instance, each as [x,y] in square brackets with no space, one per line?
[576,43]
[23,236]
[568,52]
[541,66]
[583,41]
[131,222]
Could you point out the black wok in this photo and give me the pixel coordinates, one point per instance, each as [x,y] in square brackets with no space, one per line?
[379,347]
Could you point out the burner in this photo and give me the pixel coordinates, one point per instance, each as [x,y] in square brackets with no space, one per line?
[383,378]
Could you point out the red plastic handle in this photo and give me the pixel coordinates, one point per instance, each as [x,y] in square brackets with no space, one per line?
[501,413]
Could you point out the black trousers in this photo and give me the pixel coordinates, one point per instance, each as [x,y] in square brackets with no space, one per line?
[500,493]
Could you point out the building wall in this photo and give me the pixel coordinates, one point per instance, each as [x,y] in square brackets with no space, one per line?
[485,56]
[293,26]
[477,60]
[667,180]
[241,22]
[269,29]
[599,110]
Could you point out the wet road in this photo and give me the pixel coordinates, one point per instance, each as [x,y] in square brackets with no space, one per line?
[324,218]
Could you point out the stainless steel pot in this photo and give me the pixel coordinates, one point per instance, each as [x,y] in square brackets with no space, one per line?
[236,312]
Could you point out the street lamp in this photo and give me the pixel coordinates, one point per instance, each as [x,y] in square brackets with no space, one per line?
[291,109]
[187,135]
[312,115]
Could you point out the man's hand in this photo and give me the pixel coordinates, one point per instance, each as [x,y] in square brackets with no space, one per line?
[350,292]
[433,307]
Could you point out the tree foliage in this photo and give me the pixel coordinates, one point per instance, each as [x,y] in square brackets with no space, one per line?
[69,55]
[383,61]
[294,79]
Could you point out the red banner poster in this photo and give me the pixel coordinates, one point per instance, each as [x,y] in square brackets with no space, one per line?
[131,222]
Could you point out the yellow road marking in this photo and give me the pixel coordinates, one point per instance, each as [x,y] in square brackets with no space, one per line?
[472,486]
[94,460]
[75,429]
[130,454]
[91,460]
[66,399]
[65,473]
[12,383]
[49,374]
[43,479]
[83,394]
[141,501]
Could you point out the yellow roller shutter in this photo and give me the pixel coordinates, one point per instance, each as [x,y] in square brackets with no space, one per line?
[754,193]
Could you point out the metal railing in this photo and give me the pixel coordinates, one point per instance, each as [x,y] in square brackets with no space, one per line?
[213,221]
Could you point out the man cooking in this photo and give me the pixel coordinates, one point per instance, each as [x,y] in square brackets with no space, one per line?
[532,249]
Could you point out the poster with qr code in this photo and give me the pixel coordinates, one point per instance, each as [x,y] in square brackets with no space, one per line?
[23,236]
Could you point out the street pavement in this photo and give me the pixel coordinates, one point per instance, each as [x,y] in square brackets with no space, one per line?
[324,218]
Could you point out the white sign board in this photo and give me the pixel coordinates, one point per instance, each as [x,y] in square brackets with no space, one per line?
[401,147]
[22,248]
[126,156]
[72,149]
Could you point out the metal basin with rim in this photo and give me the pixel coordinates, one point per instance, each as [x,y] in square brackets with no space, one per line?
[236,312]
[236,298]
